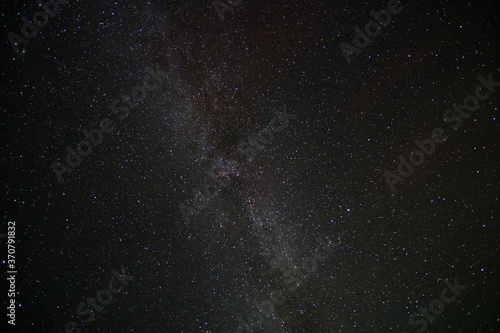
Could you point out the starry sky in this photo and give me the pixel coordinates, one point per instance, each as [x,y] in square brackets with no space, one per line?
[218,84]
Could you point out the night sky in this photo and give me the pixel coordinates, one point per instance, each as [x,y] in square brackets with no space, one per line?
[171,165]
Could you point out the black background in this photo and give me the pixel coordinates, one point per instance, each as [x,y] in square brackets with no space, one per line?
[321,176]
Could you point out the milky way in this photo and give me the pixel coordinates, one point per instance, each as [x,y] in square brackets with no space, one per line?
[260,153]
